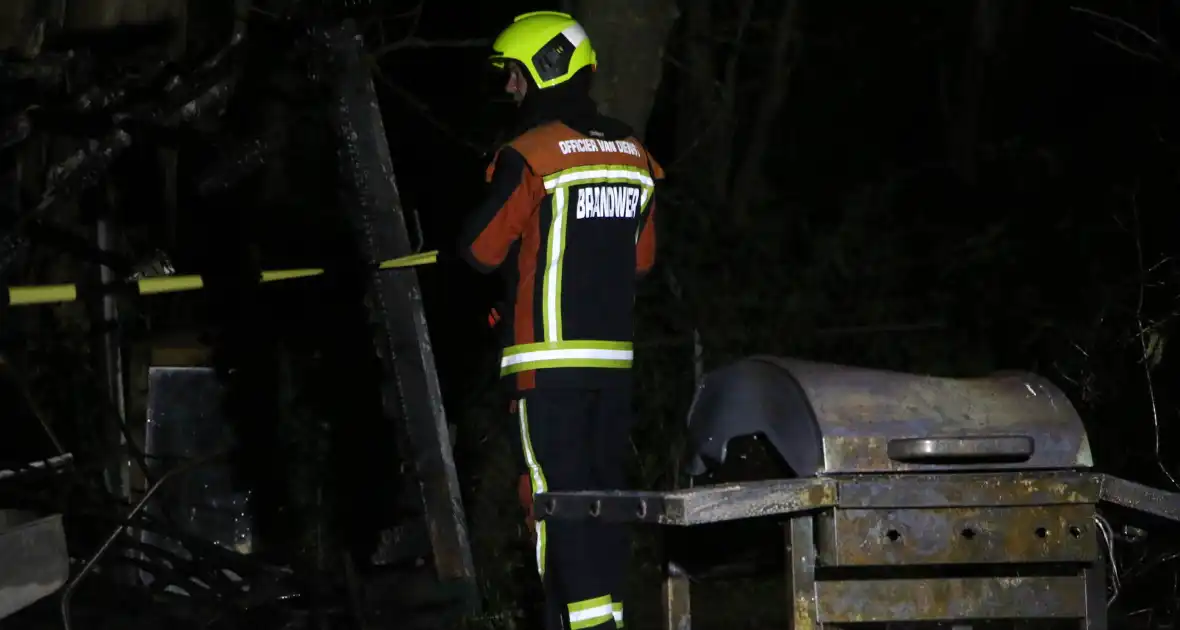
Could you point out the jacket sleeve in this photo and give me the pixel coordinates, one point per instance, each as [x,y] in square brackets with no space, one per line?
[512,200]
[645,245]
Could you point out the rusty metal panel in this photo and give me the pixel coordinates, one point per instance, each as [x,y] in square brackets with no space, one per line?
[185,420]
[864,414]
[967,489]
[611,506]
[943,536]
[801,585]
[1096,599]
[693,506]
[676,592]
[831,419]
[34,562]
[956,599]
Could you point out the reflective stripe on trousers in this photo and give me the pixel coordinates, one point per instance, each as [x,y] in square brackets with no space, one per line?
[566,354]
[536,478]
[591,613]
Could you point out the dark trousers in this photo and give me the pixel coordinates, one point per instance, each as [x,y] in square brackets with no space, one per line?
[570,440]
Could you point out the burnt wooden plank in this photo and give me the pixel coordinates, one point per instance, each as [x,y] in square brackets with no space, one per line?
[410,388]
[693,506]
[1140,498]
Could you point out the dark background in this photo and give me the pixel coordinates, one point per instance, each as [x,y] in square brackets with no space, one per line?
[929,186]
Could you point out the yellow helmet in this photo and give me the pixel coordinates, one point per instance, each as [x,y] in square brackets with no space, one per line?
[552,46]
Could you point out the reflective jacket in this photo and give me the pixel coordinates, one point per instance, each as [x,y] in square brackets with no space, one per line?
[570,219]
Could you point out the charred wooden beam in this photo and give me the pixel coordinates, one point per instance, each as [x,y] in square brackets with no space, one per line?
[189,104]
[47,68]
[401,336]
[82,169]
[14,130]
[213,98]
[69,179]
[237,36]
[99,98]
[240,162]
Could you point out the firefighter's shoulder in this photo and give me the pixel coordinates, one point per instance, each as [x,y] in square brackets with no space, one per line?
[547,136]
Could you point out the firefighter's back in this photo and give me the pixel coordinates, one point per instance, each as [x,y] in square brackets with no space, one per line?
[598,184]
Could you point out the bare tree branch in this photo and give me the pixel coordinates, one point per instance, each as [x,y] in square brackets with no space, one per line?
[679,160]
[727,109]
[1127,49]
[1119,22]
[418,43]
[1143,341]
[424,111]
[712,92]
[1123,25]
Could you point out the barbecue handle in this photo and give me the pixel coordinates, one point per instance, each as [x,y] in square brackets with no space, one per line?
[965,450]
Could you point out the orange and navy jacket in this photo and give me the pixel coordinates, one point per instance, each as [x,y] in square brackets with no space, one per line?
[570,220]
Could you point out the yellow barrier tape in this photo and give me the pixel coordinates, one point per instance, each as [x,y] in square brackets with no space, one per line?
[62,293]
[169,284]
[44,294]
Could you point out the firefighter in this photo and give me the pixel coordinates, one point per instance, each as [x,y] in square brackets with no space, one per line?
[570,221]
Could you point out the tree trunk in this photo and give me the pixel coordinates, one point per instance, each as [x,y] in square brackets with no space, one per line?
[748,178]
[701,95]
[698,86]
[963,119]
[629,38]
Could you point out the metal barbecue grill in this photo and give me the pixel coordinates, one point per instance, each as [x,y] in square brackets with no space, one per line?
[913,499]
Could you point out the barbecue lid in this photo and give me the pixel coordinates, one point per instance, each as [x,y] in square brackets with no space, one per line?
[832,419]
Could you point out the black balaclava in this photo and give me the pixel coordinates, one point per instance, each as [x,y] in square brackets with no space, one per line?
[569,103]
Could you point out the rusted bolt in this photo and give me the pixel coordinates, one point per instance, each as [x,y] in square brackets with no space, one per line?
[893,535]
[1076,531]
[1041,532]
[595,509]
[641,510]
[967,533]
